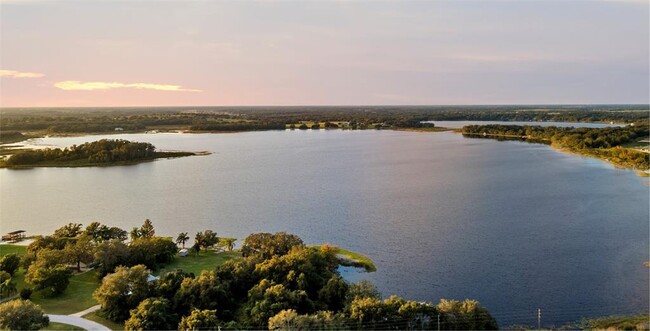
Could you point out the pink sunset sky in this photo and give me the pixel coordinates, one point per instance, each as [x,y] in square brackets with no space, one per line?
[213,53]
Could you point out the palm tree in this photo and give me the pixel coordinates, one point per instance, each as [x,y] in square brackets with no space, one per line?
[182,238]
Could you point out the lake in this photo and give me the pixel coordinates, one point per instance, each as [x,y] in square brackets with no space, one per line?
[514,225]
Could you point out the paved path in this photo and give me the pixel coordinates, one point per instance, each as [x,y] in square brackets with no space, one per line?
[87,311]
[78,321]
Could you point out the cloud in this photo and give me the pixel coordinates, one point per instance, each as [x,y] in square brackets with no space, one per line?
[18,74]
[74,85]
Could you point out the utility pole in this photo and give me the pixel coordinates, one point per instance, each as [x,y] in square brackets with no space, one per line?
[539,318]
[438,321]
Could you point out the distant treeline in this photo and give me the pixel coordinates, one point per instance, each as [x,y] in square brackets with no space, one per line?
[600,142]
[102,151]
[275,118]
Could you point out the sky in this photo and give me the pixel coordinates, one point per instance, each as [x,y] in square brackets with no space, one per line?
[225,53]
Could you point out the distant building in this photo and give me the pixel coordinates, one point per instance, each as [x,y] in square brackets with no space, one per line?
[119,129]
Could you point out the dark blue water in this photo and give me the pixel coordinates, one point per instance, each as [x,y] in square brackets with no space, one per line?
[514,225]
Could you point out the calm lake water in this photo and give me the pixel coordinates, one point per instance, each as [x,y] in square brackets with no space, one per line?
[514,225]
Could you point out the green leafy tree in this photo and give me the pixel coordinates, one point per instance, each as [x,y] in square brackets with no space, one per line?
[289,319]
[363,289]
[200,320]
[110,254]
[54,280]
[266,245]
[80,251]
[147,230]
[182,238]
[334,293]
[10,263]
[152,314]
[122,290]
[466,315]
[206,239]
[68,231]
[22,315]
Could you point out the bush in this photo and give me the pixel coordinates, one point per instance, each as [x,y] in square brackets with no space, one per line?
[22,315]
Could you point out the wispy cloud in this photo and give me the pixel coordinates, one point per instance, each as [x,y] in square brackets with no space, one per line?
[74,85]
[19,74]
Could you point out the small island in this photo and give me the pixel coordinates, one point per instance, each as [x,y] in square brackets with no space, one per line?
[105,152]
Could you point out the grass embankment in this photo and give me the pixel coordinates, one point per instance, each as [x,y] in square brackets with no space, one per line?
[349,258]
[61,326]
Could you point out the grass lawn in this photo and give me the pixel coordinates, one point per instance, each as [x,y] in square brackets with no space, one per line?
[61,326]
[195,264]
[9,249]
[103,321]
[77,297]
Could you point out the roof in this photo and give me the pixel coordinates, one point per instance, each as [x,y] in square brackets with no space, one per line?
[17,232]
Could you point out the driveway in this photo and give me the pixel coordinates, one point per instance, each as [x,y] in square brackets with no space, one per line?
[78,321]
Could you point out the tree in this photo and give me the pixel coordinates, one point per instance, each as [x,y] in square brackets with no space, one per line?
[323,320]
[266,245]
[363,289]
[466,315]
[206,239]
[110,254]
[99,232]
[199,320]
[122,290]
[147,230]
[54,279]
[182,238]
[68,231]
[334,293]
[80,251]
[152,314]
[8,288]
[22,315]
[10,263]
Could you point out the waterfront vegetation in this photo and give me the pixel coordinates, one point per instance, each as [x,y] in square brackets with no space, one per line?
[274,279]
[102,152]
[603,143]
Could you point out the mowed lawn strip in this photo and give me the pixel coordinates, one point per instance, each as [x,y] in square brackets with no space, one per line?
[103,321]
[195,264]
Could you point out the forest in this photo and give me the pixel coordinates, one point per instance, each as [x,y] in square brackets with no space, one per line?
[104,120]
[605,143]
[277,283]
[105,151]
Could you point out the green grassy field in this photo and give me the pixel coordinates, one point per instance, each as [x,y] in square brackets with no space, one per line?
[9,249]
[195,264]
[103,321]
[77,297]
[61,326]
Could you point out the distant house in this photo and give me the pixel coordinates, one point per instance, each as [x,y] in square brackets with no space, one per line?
[119,129]
[183,252]
[14,236]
